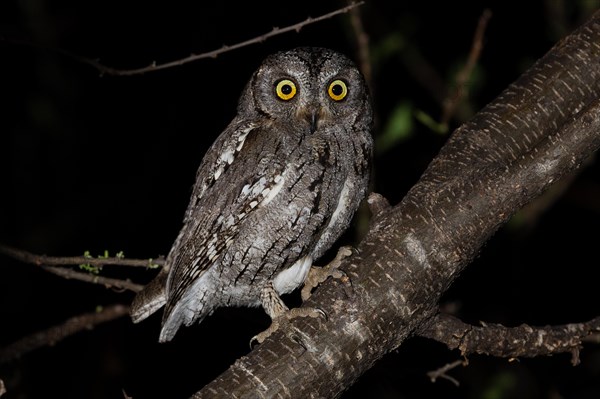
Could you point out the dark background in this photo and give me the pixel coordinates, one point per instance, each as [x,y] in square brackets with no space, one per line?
[107,163]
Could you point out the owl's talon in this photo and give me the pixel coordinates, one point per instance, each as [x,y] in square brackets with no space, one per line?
[283,319]
[318,275]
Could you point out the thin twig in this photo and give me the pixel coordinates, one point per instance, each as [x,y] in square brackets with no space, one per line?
[2,388]
[57,333]
[441,372]
[452,101]
[106,70]
[592,338]
[39,260]
[362,40]
[108,282]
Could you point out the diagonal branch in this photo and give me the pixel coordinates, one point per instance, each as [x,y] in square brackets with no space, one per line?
[108,282]
[59,332]
[453,99]
[521,341]
[106,70]
[541,128]
[55,265]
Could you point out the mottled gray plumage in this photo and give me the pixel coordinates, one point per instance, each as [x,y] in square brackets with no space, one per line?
[273,193]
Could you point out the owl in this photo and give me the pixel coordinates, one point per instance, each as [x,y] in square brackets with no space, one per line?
[272,194]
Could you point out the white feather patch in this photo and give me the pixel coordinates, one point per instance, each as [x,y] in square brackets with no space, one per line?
[291,278]
[274,190]
[342,203]
[228,155]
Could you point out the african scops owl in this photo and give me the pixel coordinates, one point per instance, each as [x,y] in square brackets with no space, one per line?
[272,194]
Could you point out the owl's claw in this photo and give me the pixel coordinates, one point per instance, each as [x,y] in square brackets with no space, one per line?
[317,275]
[285,318]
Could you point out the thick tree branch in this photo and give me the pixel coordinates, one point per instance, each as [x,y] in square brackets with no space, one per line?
[521,341]
[539,129]
[55,334]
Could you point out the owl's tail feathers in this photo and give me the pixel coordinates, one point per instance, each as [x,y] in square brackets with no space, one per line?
[150,299]
[191,308]
[171,324]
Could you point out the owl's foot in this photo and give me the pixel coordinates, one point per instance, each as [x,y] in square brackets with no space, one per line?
[317,275]
[280,314]
[283,319]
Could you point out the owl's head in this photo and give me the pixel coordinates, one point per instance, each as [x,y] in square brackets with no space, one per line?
[310,85]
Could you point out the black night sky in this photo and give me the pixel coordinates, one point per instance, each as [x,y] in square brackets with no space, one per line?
[95,163]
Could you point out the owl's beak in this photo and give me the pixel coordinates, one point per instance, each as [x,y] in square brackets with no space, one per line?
[313,119]
[313,114]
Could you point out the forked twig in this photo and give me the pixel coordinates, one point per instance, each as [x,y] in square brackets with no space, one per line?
[441,372]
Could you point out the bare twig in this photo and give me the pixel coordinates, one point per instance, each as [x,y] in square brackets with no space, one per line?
[362,40]
[441,372]
[108,282]
[39,260]
[106,70]
[592,338]
[454,98]
[510,342]
[55,334]
[2,388]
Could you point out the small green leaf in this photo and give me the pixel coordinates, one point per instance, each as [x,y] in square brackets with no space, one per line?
[120,255]
[390,45]
[152,265]
[501,385]
[90,268]
[398,127]
[431,123]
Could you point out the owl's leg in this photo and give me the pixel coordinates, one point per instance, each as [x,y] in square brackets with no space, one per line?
[317,275]
[279,313]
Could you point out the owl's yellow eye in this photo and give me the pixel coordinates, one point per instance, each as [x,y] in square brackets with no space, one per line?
[285,89]
[337,90]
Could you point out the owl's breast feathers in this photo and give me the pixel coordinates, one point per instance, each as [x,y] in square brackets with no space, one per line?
[262,201]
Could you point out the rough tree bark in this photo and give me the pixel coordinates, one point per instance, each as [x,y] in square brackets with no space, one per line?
[540,128]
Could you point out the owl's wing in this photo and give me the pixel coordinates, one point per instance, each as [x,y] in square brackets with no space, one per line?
[228,189]
[216,161]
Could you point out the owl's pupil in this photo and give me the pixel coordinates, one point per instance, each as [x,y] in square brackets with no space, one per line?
[337,90]
[286,89]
